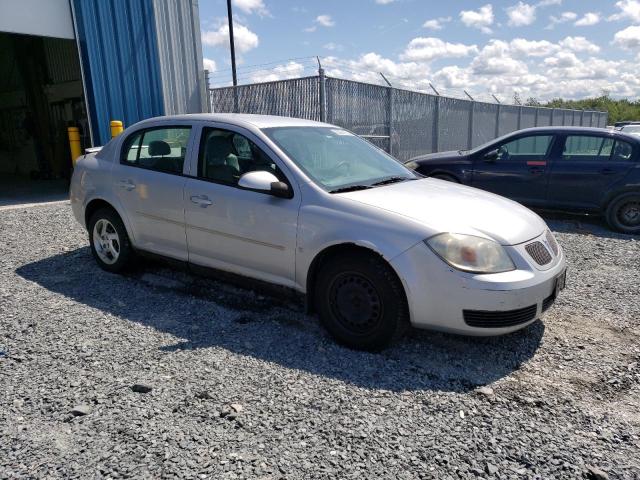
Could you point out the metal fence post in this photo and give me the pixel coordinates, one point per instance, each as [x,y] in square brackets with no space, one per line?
[390,118]
[208,92]
[498,121]
[470,133]
[322,94]
[436,127]
[535,122]
[582,118]
[519,117]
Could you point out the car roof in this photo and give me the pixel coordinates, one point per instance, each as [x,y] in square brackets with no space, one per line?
[240,119]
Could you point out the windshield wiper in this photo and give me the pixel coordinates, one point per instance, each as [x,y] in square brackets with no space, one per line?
[386,181]
[350,188]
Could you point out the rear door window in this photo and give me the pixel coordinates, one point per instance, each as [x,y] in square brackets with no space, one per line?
[587,148]
[161,149]
[529,148]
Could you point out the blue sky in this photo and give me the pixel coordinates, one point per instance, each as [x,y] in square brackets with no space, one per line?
[542,48]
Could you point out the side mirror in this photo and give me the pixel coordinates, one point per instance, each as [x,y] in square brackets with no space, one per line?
[266,182]
[491,156]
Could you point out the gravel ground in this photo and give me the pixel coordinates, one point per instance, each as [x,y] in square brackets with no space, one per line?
[164,374]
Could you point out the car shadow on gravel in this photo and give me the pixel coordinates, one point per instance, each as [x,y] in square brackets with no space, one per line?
[204,313]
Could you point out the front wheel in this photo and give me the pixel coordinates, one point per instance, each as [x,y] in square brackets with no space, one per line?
[623,213]
[109,241]
[360,301]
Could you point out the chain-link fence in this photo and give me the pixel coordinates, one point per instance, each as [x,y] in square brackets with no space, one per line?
[402,122]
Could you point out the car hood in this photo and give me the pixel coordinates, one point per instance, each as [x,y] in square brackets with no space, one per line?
[442,206]
[451,154]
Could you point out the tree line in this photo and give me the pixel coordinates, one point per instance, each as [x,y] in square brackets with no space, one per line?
[619,110]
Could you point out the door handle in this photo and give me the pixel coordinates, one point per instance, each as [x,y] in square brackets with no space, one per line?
[607,171]
[126,184]
[201,200]
[536,170]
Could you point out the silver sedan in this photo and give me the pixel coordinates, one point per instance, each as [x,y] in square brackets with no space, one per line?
[315,208]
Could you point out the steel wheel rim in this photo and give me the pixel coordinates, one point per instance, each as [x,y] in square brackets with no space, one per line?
[629,214]
[355,302]
[106,241]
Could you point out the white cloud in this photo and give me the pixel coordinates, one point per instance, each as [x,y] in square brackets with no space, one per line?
[453,76]
[426,49]
[629,9]
[532,48]
[244,39]
[521,14]
[579,44]
[436,23]
[252,6]
[563,18]
[325,21]
[481,19]
[548,3]
[495,58]
[588,19]
[209,64]
[629,38]
[332,46]
[562,59]
[280,72]
[384,2]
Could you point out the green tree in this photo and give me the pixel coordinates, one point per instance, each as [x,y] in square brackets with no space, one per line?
[618,110]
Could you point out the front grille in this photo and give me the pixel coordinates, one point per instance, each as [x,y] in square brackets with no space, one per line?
[552,242]
[493,319]
[538,252]
[547,302]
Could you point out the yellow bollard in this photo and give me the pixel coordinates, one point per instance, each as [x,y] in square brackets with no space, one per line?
[116,128]
[74,144]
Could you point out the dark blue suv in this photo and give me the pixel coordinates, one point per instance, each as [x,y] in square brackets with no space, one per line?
[566,168]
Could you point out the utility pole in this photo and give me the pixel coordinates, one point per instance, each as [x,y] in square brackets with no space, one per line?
[231,44]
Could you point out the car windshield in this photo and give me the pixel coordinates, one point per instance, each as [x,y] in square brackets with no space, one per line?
[338,160]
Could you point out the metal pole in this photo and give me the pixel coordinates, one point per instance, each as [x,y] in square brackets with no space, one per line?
[467,94]
[553,111]
[470,133]
[535,123]
[385,79]
[495,98]
[233,57]
[582,118]
[208,93]
[390,118]
[519,116]
[498,120]
[322,94]
[434,89]
[436,126]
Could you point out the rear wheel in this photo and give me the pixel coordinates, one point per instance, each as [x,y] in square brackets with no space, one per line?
[623,213]
[109,241]
[360,301]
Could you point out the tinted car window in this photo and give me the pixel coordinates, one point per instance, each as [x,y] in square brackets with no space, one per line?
[622,152]
[528,148]
[587,148]
[162,149]
[225,156]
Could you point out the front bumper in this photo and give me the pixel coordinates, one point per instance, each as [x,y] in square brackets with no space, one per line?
[438,294]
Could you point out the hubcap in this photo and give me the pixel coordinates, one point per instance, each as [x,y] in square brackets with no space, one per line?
[629,214]
[355,303]
[106,241]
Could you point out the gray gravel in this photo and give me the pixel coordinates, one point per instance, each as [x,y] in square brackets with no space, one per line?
[164,374]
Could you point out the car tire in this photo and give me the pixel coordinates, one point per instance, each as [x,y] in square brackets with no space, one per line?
[623,213]
[361,301]
[110,244]
[444,176]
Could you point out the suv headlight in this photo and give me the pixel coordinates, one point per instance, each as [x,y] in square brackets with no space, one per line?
[470,253]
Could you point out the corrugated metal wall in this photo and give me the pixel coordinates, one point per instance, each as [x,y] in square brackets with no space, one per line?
[178,30]
[141,58]
[120,58]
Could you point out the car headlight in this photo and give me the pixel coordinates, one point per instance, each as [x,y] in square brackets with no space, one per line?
[470,253]
[411,165]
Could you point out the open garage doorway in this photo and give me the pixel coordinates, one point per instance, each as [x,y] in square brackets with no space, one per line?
[41,95]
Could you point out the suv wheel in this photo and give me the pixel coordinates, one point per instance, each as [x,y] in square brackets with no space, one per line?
[360,301]
[623,213]
[109,241]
